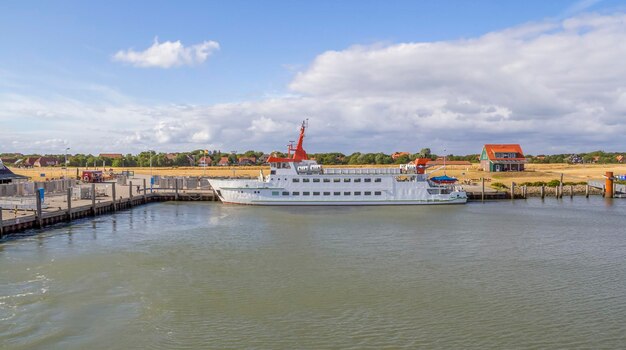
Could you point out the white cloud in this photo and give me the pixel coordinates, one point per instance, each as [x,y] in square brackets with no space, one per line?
[551,86]
[168,54]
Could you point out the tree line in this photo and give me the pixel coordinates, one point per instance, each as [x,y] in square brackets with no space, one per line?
[160,159]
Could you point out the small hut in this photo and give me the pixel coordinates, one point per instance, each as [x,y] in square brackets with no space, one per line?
[7,176]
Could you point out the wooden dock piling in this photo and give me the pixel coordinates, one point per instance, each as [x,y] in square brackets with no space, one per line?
[587,191]
[176,189]
[482,193]
[543,191]
[512,190]
[113,197]
[130,191]
[145,199]
[69,204]
[571,191]
[93,199]
[39,213]
[1,224]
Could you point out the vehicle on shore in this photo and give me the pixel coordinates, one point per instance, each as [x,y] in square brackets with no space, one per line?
[298,180]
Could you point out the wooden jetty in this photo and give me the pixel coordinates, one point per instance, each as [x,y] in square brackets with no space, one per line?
[42,219]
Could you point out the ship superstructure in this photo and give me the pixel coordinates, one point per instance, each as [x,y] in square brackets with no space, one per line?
[298,180]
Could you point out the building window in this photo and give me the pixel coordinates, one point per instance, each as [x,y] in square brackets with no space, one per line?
[274,193]
[316,193]
[367,193]
[316,180]
[357,180]
[295,180]
[337,193]
[306,180]
[272,172]
[337,180]
[285,193]
[377,193]
[346,193]
[378,179]
[347,179]
[367,180]
[295,193]
[326,180]
[357,193]
[306,193]
[327,193]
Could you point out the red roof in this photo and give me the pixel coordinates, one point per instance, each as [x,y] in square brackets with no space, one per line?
[492,149]
[397,155]
[111,155]
[206,160]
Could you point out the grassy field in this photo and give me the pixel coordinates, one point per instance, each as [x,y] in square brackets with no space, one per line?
[533,173]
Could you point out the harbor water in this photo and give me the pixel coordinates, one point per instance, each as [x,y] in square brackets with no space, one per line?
[524,274]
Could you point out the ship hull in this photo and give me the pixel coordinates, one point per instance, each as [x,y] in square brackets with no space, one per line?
[253,192]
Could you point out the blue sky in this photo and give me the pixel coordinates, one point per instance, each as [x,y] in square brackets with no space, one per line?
[271,63]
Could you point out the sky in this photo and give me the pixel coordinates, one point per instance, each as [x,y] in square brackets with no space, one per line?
[370,76]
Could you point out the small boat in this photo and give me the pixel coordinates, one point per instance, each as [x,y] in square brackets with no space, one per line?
[445,179]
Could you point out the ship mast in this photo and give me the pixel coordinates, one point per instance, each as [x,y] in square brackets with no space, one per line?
[299,152]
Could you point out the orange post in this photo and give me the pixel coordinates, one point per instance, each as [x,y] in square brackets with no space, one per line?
[608,185]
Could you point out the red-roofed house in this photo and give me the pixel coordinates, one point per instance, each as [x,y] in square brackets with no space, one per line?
[508,157]
[45,161]
[205,161]
[397,155]
[247,160]
[223,161]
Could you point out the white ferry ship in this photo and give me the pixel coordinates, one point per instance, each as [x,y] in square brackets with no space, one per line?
[297,180]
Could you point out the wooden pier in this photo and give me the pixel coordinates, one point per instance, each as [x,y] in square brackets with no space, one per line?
[41,219]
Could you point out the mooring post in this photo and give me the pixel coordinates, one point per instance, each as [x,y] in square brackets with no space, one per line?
[571,191]
[69,204]
[1,224]
[556,192]
[543,191]
[113,196]
[93,199]
[176,189]
[39,218]
[587,191]
[561,186]
[130,191]
[512,190]
[525,191]
[145,200]
[609,187]
[482,192]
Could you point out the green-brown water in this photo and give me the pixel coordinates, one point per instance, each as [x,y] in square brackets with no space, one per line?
[506,275]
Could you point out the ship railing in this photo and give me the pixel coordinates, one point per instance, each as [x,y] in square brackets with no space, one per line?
[362,171]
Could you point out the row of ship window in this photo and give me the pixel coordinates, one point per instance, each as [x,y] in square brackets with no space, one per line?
[357,193]
[347,179]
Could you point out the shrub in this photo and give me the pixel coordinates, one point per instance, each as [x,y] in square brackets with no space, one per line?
[553,183]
